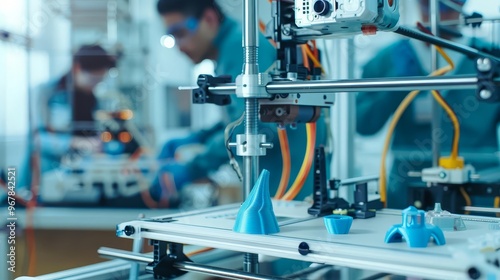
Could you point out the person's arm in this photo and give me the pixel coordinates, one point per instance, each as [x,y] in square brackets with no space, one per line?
[214,156]
[373,109]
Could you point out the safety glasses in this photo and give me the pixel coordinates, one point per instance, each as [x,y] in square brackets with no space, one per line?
[183,29]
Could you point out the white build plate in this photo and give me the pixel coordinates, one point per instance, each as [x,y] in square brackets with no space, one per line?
[362,248]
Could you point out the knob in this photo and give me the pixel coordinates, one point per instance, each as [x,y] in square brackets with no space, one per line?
[322,7]
[129,230]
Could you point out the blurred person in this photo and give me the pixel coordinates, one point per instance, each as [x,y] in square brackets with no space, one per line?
[202,31]
[412,144]
[64,111]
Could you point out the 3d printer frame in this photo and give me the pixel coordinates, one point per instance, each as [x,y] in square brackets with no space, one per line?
[259,89]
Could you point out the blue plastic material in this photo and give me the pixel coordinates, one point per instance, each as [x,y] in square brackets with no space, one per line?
[338,224]
[414,230]
[256,215]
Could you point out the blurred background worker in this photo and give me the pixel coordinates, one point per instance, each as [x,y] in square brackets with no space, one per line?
[202,31]
[65,109]
[412,144]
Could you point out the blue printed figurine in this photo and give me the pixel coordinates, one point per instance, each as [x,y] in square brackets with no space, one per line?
[414,230]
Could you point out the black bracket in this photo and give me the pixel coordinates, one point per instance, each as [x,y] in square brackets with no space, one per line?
[361,208]
[475,16]
[301,71]
[323,205]
[450,195]
[164,260]
[202,94]
[364,209]
[487,71]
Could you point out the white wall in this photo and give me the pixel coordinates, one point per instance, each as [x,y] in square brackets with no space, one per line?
[13,85]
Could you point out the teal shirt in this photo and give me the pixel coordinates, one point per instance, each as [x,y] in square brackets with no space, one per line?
[230,62]
[412,144]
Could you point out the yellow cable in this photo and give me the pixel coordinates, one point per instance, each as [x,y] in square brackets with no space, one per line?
[285,153]
[496,204]
[468,202]
[397,115]
[306,163]
[447,108]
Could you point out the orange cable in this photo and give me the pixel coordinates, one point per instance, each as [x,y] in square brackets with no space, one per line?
[303,48]
[285,153]
[306,163]
[199,251]
[315,50]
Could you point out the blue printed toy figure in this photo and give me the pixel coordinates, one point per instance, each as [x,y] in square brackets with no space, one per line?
[414,230]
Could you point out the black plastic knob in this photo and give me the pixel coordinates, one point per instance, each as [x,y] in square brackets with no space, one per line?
[129,230]
[474,273]
[322,7]
[304,248]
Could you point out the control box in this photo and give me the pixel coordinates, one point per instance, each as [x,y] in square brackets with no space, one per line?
[347,16]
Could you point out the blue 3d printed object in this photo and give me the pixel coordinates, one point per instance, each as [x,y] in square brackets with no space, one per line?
[256,215]
[414,230]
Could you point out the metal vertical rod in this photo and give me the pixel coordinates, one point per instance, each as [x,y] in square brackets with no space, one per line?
[343,125]
[250,38]
[112,24]
[134,267]
[251,263]
[136,248]
[250,67]
[495,30]
[251,163]
[436,109]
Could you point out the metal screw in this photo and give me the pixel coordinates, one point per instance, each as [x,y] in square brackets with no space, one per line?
[266,145]
[279,112]
[485,94]
[484,65]
[414,174]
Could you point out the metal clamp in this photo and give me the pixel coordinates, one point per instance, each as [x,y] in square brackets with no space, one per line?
[251,145]
[202,94]
[252,85]
[487,71]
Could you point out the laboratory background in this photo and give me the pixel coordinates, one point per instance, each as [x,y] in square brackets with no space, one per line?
[250,139]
